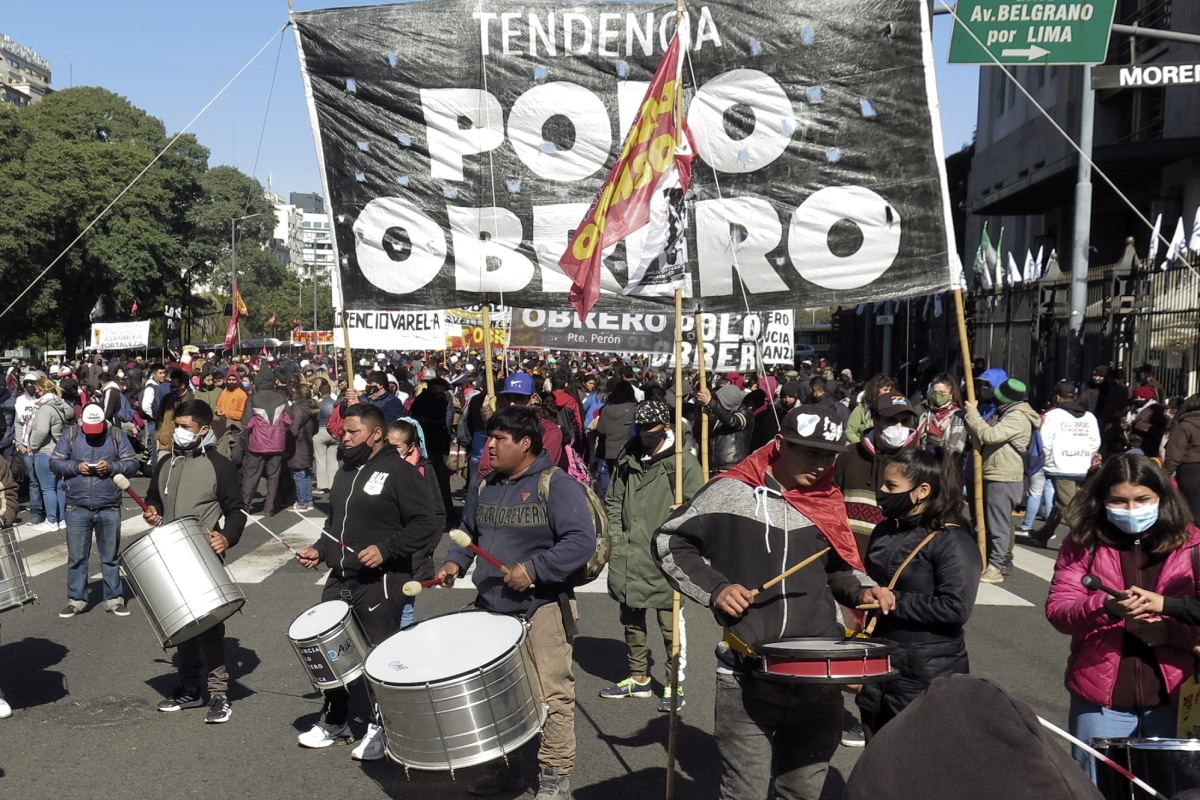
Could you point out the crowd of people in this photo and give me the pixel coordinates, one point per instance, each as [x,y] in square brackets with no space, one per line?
[875,481]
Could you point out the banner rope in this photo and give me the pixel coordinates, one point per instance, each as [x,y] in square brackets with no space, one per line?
[141,174]
[953,11]
[758,353]
[266,112]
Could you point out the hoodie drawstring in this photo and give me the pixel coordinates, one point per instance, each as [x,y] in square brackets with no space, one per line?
[761,493]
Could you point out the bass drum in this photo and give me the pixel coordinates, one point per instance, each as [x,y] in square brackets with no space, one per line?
[1169,765]
[180,581]
[455,691]
[15,588]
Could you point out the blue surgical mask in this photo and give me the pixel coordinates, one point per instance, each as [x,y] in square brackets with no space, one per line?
[1134,521]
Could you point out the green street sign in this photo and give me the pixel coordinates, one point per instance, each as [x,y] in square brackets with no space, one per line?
[1031,31]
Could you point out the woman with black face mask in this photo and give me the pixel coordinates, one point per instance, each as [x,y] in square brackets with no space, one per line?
[926,553]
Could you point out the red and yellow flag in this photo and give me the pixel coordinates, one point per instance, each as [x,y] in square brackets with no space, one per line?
[645,188]
[239,305]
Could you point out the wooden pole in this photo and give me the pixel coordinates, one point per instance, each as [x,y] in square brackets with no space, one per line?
[703,377]
[346,354]
[485,319]
[676,610]
[976,455]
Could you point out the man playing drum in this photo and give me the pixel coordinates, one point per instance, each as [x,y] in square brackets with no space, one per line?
[383,511]
[542,544]
[197,481]
[771,511]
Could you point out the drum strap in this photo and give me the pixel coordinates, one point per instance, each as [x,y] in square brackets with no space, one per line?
[870,628]
[736,644]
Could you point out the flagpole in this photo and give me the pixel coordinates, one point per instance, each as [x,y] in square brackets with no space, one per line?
[485,317]
[703,379]
[676,611]
[976,455]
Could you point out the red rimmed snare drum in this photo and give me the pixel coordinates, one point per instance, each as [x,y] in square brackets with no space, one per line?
[826,660]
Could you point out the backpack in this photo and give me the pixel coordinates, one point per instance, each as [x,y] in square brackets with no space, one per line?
[1034,456]
[565,417]
[125,411]
[334,425]
[595,565]
[113,430]
[576,467]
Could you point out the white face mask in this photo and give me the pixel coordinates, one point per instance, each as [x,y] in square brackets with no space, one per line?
[184,439]
[895,436]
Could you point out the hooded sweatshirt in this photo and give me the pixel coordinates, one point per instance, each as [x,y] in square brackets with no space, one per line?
[199,482]
[1004,440]
[1070,437]
[49,421]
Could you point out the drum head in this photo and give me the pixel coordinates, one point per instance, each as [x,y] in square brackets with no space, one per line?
[443,648]
[829,647]
[317,620]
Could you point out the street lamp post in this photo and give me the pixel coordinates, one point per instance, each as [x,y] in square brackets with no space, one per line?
[233,270]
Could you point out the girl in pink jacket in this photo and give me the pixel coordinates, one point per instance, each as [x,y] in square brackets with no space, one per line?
[1130,527]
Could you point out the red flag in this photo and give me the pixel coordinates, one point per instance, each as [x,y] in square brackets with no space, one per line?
[644,188]
[133,310]
[239,305]
[231,332]
[271,320]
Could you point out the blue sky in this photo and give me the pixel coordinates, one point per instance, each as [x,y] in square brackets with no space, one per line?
[170,58]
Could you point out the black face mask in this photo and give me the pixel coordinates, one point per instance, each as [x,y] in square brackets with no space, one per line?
[355,457]
[652,439]
[372,390]
[894,506]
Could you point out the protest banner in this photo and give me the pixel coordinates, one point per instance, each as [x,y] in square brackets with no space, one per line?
[119,335]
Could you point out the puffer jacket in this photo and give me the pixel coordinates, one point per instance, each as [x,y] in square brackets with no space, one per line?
[1183,444]
[638,501]
[1005,441]
[49,422]
[1096,635]
[267,420]
[92,491]
[729,431]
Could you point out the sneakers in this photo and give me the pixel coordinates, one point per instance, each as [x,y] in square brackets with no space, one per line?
[553,785]
[664,704]
[1042,538]
[372,745]
[219,710]
[1006,566]
[72,608]
[5,709]
[182,699]
[628,688]
[117,608]
[852,732]
[302,507]
[323,735]
[991,575]
[500,777]
[46,527]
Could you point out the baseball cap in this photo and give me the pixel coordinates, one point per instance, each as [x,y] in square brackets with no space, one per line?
[893,404]
[92,419]
[813,426]
[651,413]
[29,378]
[518,383]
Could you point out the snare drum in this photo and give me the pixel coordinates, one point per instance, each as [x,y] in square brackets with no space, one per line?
[454,691]
[180,581]
[329,644]
[826,660]
[1169,765]
[15,588]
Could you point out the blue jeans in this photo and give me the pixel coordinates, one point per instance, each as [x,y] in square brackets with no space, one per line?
[1040,498]
[303,480]
[151,444]
[81,522]
[1089,721]
[407,614]
[37,513]
[53,496]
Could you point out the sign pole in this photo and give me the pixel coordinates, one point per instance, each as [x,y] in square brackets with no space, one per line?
[976,455]
[676,611]
[1083,229]
[485,317]
[702,377]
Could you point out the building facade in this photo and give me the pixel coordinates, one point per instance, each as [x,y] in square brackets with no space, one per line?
[1147,141]
[24,75]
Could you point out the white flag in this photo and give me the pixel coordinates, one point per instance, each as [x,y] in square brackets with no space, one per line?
[1178,247]
[1152,250]
[1030,271]
[1194,241]
[1014,272]
[1039,268]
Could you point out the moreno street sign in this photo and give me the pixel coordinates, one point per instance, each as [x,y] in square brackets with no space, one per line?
[1137,76]
[1031,31]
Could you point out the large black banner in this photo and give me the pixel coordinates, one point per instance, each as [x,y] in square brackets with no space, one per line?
[462,143]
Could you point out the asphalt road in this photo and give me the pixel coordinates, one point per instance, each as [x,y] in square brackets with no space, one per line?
[84,692]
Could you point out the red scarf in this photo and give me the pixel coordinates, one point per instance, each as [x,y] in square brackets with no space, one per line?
[822,503]
[936,421]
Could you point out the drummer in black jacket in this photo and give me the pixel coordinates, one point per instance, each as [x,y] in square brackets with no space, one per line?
[383,515]
[197,481]
[766,514]
[921,497]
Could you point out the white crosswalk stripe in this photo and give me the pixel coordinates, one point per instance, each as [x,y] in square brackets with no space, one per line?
[258,564]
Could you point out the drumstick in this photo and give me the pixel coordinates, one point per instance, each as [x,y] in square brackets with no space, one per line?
[789,572]
[1092,583]
[268,530]
[463,539]
[413,588]
[867,606]
[123,484]
[315,525]
[1094,753]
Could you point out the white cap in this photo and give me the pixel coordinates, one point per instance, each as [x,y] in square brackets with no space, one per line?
[303,363]
[30,377]
[92,419]
[54,369]
[360,383]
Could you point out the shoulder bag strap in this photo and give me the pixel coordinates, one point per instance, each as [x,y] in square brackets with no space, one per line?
[870,627]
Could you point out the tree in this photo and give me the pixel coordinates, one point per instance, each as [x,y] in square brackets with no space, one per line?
[62,161]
